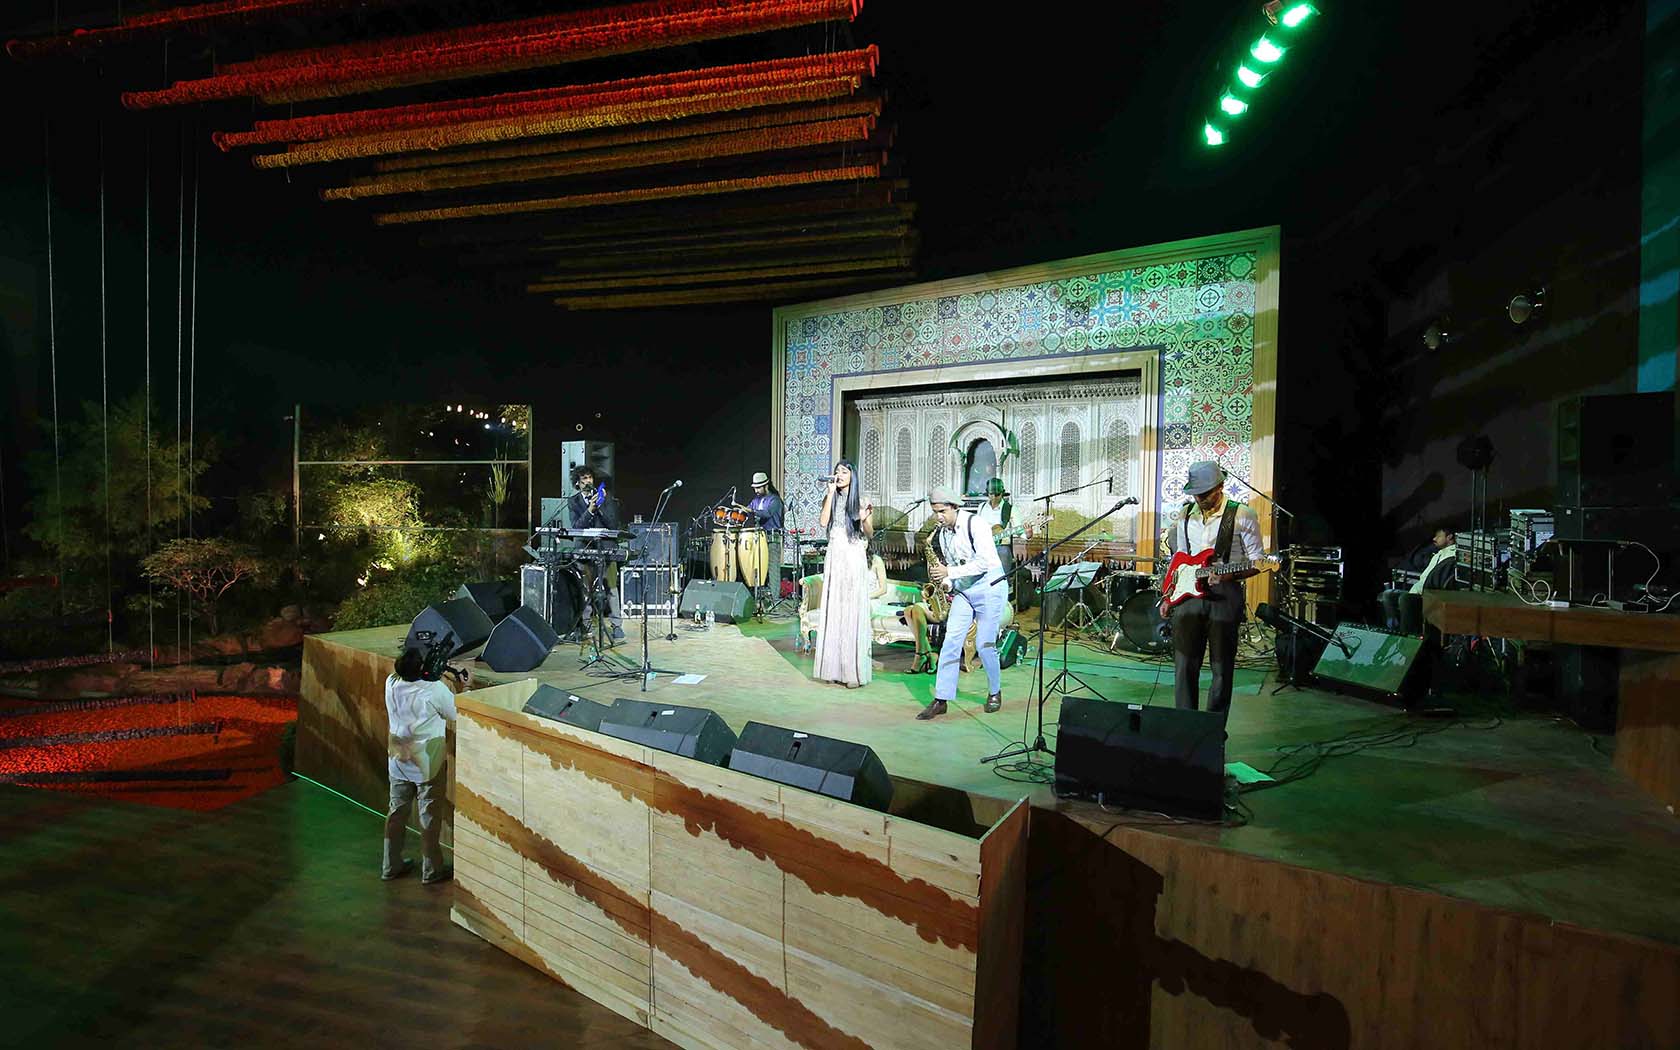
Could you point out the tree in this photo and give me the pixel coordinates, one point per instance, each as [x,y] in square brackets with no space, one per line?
[204,569]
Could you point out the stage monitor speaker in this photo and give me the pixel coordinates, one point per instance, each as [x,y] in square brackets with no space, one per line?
[730,602]
[496,597]
[1615,450]
[1376,663]
[561,706]
[1010,646]
[1156,758]
[520,643]
[459,620]
[836,768]
[693,732]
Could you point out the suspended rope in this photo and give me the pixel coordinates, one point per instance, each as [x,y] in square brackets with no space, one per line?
[52,345]
[180,295]
[146,209]
[192,378]
[105,394]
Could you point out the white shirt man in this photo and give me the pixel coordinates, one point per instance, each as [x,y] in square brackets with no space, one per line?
[418,714]
[979,597]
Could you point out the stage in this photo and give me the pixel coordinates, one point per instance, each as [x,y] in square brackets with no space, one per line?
[1475,851]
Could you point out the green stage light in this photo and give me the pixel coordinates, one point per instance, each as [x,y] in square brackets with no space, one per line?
[1249,78]
[1297,14]
[1215,137]
[1233,105]
[1265,51]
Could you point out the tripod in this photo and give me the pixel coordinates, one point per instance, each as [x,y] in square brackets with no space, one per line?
[1058,683]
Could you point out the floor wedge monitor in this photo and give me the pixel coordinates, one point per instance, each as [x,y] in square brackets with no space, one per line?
[730,602]
[693,732]
[1375,663]
[460,622]
[1153,758]
[570,708]
[836,768]
[521,642]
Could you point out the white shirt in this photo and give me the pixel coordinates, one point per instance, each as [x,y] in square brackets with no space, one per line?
[967,559]
[419,714]
[1199,535]
[987,517]
[1449,551]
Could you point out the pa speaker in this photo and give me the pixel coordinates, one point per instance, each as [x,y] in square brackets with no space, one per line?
[730,602]
[1158,758]
[519,643]
[561,706]
[693,732]
[1376,662]
[836,768]
[1615,450]
[460,622]
[496,597]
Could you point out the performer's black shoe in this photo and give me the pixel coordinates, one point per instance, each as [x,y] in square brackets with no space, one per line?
[933,710]
[994,703]
[406,867]
[618,634]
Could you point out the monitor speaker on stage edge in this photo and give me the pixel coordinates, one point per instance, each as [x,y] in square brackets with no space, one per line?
[693,732]
[561,706]
[521,642]
[1376,663]
[459,619]
[836,768]
[1154,758]
[496,597]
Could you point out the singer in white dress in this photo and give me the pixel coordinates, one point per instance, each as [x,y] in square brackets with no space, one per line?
[843,635]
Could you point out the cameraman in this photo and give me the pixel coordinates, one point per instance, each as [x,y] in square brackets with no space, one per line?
[419,713]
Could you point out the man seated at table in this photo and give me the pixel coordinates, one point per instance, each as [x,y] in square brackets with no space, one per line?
[1402,609]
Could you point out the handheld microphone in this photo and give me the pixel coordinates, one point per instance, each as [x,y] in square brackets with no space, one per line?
[829,477]
[1111,484]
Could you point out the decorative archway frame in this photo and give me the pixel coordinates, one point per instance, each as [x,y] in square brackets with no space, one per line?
[965,434]
[1185,296]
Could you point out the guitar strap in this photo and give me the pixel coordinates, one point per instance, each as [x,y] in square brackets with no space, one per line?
[1227,529]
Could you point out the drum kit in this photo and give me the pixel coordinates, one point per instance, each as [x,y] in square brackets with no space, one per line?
[740,549]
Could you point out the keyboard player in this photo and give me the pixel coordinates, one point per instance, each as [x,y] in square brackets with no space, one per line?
[590,507]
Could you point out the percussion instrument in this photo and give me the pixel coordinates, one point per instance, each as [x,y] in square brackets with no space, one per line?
[1141,624]
[723,562]
[752,551]
[733,516]
[1122,585]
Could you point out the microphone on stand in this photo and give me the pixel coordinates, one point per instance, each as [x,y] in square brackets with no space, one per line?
[674,485]
[1129,501]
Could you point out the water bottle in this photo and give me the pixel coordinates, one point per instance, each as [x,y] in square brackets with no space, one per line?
[711,618]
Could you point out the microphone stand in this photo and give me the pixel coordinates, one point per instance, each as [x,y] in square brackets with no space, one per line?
[647,670]
[1038,744]
[1277,508]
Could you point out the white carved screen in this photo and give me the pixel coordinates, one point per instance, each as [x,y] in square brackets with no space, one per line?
[1104,420]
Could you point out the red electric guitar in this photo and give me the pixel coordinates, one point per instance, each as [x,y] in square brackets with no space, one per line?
[1186,575]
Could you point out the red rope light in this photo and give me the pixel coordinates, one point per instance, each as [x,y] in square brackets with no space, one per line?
[192,18]
[712,147]
[508,47]
[461,160]
[530,127]
[649,193]
[855,64]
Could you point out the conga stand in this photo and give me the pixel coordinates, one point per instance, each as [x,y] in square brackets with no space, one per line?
[1043,690]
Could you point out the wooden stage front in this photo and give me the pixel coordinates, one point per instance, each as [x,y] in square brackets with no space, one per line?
[1487,881]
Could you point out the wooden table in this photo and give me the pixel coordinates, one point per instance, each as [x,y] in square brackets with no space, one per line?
[1648,687]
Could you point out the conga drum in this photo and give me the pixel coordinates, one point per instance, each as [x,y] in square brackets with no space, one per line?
[724,560]
[752,549]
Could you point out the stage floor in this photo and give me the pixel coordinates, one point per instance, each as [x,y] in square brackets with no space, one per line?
[1505,809]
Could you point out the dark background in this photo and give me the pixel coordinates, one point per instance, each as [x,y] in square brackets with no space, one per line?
[1420,162]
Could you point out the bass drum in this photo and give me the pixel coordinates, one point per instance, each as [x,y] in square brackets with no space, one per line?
[1141,624]
[752,549]
[725,561]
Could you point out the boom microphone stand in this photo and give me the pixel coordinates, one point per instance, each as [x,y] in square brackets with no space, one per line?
[1038,744]
[647,670]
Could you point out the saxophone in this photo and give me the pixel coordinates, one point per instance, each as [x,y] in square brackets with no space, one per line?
[934,595]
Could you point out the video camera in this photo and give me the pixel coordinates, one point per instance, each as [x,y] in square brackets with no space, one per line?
[436,662]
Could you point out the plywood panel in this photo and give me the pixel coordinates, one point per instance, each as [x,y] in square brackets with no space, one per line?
[1648,725]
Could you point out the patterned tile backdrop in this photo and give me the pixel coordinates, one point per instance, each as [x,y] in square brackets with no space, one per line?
[1200,311]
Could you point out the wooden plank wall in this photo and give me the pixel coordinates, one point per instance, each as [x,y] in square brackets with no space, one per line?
[724,911]
[341,721]
[1145,940]
[1648,725]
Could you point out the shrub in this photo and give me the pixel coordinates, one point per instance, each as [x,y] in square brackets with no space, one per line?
[397,597]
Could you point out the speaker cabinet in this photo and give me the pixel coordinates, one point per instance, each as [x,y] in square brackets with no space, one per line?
[1615,450]
[561,706]
[1010,646]
[730,602]
[836,768]
[654,584]
[496,597]
[519,643]
[459,621]
[693,732]
[1157,758]
[1376,663]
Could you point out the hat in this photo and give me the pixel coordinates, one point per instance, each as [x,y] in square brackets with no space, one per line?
[942,496]
[995,487]
[1203,477]
[760,478]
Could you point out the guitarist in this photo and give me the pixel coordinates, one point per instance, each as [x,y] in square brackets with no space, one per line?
[996,512]
[1210,520]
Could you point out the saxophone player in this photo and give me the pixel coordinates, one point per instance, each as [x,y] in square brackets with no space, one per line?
[968,568]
